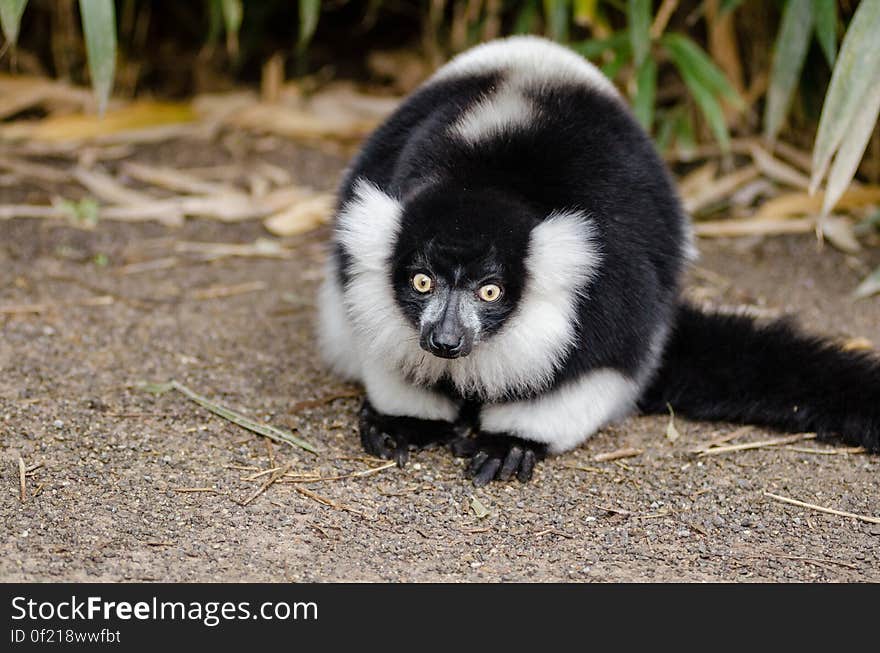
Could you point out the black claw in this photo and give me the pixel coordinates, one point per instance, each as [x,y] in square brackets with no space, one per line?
[527,467]
[477,463]
[511,463]
[487,472]
[402,455]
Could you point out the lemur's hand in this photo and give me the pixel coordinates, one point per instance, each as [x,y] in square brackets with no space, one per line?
[498,455]
[392,437]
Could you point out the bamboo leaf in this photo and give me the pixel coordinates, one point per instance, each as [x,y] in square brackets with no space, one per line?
[685,52]
[526,17]
[789,53]
[233,12]
[729,5]
[854,72]
[852,147]
[309,11]
[10,18]
[556,17]
[271,432]
[685,138]
[646,92]
[593,48]
[825,12]
[638,13]
[99,26]
[702,93]
[869,286]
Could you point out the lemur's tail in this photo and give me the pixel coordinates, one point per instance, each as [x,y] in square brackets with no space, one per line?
[732,368]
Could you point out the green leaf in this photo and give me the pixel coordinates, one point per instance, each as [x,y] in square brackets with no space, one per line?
[684,51]
[855,71]
[825,12]
[309,10]
[852,147]
[685,139]
[526,17]
[729,5]
[594,48]
[694,75]
[10,18]
[233,12]
[99,26]
[646,92]
[666,127]
[789,53]
[556,16]
[621,56]
[638,15]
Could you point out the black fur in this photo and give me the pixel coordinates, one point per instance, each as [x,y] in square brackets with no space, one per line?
[728,367]
[472,205]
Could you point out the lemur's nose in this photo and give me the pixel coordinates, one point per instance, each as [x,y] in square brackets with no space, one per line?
[445,345]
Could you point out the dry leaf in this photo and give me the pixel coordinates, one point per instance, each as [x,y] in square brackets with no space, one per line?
[754,227]
[132,117]
[839,232]
[479,509]
[302,216]
[672,433]
[794,204]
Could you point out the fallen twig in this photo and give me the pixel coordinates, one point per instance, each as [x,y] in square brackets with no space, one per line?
[194,489]
[320,401]
[362,473]
[721,439]
[831,511]
[218,292]
[327,502]
[19,309]
[714,451]
[626,452]
[265,486]
[21,473]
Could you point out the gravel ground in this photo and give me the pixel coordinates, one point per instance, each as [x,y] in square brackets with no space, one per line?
[104,504]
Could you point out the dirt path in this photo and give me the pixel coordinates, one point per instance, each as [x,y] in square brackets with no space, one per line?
[104,503]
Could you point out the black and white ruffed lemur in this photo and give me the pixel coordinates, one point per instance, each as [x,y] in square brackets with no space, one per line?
[506,271]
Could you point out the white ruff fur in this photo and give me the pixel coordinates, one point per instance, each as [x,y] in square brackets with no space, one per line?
[522,356]
[335,338]
[568,415]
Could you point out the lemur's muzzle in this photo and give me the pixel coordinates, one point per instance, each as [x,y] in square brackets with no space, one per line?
[449,336]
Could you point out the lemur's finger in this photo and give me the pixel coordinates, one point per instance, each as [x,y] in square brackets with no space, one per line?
[487,472]
[477,463]
[527,466]
[511,463]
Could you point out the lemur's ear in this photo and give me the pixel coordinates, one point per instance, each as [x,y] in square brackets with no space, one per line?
[368,225]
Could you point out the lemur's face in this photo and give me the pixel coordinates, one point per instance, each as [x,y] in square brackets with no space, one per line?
[457,281]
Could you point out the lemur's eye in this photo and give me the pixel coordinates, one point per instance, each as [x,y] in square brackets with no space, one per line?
[422,283]
[490,292]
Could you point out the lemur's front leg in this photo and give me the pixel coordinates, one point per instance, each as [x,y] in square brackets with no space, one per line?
[515,435]
[398,416]
[392,437]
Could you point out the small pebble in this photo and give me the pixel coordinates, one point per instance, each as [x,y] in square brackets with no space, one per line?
[58,424]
